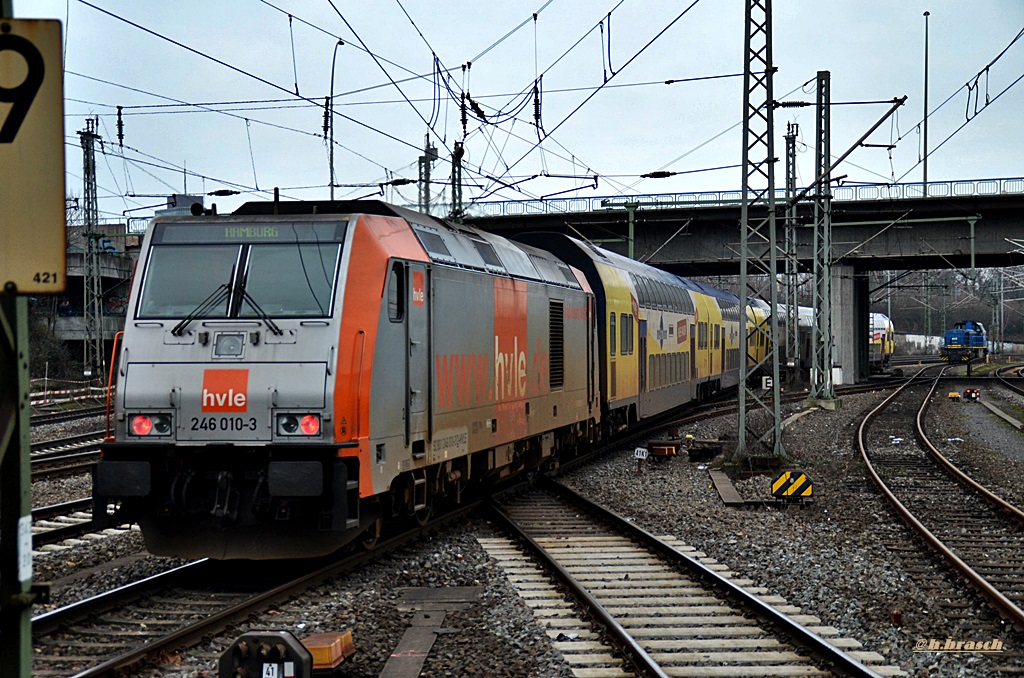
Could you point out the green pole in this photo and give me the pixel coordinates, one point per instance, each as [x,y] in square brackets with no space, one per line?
[15,478]
[15,490]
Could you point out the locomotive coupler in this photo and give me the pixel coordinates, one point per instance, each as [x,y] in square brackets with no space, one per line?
[225,504]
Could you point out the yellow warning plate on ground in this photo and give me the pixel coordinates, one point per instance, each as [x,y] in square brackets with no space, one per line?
[792,485]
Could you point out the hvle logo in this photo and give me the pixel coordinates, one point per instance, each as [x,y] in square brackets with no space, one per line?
[225,390]
[419,292]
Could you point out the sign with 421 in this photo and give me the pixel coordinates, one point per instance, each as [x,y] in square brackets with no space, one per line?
[32,227]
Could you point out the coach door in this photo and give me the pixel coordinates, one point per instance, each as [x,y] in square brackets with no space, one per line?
[642,359]
[417,358]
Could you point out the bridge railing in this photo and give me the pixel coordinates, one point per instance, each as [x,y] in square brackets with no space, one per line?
[935,189]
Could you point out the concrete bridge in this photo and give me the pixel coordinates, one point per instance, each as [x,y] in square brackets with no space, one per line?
[874,227]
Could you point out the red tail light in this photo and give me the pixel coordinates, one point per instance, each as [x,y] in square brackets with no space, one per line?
[310,425]
[142,425]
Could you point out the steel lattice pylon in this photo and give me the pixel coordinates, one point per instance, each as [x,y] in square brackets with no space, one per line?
[792,262]
[93,359]
[822,387]
[425,161]
[758,247]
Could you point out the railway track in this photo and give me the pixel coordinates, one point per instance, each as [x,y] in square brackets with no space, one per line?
[158,616]
[59,522]
[974,531]
[68,415]
[665,607]
[1010,378]
[47,449]
[65,456]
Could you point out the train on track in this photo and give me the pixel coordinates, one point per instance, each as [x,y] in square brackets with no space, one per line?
[294,373]
[964,342]
[881,344]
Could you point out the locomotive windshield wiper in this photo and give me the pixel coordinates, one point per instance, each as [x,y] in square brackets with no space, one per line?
[261,314]
[216,297]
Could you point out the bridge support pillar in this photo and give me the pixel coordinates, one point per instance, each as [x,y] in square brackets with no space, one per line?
[861,325]
[844,326]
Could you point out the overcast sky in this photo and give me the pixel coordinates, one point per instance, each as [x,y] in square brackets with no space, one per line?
[232,51]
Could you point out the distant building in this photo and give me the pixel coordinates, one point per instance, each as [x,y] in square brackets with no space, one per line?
[118,254]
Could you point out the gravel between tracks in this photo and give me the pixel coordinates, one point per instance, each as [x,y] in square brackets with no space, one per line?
[497,637]
[831,558]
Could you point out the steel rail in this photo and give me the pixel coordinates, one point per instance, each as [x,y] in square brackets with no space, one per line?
[53,510]
[957,474]
[1002,604]
[70,469]
[192,633]
[621,637]
[67,415]
[48,622]
[41,449]
[1005,381]
[835,658]
[58,534]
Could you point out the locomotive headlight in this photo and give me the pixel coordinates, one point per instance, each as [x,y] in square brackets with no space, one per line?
[298,424]
[161,424]
[287,424]
[150,424]
[229,345]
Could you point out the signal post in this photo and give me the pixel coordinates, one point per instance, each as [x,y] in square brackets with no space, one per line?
[32,241]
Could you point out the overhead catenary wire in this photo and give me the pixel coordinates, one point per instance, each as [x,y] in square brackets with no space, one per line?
[962,125]
[229,66]
[388,75]
[242,71]
[206,108]
[625,65]
[295,65]
[970,86]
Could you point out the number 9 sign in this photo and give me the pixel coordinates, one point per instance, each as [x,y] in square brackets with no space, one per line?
[32,229]
[23,94]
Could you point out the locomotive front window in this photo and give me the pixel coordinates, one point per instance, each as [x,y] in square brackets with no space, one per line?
[179,279]
[294,280]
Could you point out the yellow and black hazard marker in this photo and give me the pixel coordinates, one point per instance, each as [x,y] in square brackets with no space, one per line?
[792,485]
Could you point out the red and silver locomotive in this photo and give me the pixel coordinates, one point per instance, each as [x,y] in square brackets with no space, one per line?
[289,376]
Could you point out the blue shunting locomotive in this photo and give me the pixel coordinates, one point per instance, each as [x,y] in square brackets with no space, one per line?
[964,342]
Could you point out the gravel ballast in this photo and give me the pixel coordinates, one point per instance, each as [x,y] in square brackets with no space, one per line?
[835,558]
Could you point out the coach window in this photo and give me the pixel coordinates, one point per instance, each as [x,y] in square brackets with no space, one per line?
[611,333]
[624,333]
[396,293]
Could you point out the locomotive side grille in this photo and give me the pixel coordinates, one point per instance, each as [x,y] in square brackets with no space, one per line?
[556,344]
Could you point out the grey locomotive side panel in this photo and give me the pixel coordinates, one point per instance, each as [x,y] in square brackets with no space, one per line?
[462,343]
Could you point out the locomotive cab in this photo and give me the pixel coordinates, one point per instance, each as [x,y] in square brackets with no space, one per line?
[223,406]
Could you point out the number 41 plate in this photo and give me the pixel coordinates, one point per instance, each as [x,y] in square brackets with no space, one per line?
[32,229]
